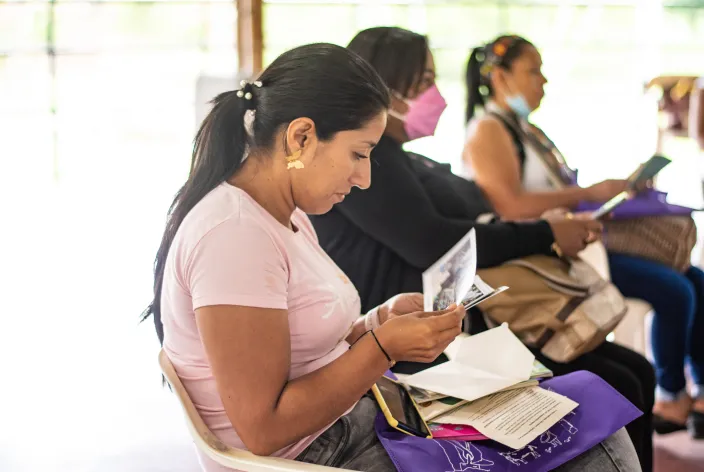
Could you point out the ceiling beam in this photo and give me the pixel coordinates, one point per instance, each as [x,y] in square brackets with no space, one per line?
[250,42]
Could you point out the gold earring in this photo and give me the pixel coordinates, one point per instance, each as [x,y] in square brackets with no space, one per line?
[294,161]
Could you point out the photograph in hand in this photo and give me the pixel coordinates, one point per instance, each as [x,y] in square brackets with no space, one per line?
[452,276]
[456,273]
[480,292]
[453,279]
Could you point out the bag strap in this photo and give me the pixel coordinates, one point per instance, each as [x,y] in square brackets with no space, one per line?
[562,315]
[515,136]
[546,149]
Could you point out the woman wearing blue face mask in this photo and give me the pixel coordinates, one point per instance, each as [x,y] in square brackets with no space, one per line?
[513,162]
[505,79]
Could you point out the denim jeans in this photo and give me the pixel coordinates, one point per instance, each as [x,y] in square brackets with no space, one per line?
[678,326]
[352,443]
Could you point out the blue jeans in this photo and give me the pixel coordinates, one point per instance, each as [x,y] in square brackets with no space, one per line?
[678,326]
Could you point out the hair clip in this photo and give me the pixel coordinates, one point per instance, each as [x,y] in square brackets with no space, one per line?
[245,92]
[486,69]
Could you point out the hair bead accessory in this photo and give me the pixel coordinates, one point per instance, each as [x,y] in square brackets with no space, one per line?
[494,54]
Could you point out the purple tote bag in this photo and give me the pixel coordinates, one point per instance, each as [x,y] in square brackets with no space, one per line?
[601,412]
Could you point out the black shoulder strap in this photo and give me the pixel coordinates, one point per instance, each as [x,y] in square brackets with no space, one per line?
[517,141]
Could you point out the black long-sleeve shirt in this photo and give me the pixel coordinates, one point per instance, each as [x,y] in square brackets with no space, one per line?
[383,238]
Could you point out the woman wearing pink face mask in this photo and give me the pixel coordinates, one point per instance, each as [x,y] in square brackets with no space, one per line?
[422,107]
[416,209]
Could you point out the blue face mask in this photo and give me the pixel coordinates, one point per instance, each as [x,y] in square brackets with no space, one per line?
[518,104]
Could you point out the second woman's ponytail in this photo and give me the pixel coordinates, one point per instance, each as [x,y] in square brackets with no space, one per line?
[474,82]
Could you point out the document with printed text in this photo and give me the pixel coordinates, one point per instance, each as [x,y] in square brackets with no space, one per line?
[515,417]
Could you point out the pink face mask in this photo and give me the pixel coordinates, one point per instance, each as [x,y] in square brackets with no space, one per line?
[423,113]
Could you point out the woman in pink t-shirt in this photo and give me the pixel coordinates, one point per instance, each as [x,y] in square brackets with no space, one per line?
[255,317]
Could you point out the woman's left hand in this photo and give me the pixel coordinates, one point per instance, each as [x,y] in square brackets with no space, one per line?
[400,305]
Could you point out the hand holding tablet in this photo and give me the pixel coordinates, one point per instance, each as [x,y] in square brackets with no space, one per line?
[637,180]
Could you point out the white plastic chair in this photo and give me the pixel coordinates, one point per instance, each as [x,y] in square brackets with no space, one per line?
[633,331]
[215,449]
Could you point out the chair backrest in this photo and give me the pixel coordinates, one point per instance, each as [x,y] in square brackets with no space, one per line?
[218,451]
[195,423]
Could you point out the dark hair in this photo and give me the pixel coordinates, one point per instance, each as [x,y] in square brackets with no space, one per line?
[398,55]
[482,60]
[326,83]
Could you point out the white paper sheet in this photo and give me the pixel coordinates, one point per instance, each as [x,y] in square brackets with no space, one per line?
[479,365]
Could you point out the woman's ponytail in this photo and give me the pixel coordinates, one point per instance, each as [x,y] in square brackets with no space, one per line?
[218,151]
[501,52]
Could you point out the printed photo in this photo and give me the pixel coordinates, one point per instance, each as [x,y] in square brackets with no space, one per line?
[453,278]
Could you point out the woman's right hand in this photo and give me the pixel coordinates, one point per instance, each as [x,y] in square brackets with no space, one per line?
[572,233]
[606,190]
[420,336]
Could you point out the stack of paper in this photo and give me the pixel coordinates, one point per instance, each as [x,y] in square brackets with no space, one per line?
[433,406]
[490,383]
[516,417]
[479,365]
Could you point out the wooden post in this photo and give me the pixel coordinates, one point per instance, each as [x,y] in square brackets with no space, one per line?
[249,37]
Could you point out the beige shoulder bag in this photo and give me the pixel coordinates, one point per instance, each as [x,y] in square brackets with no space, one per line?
[565,309]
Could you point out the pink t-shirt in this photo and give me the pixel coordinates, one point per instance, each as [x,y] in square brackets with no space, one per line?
[230,251]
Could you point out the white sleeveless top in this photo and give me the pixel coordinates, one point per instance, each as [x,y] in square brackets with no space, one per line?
[534,175]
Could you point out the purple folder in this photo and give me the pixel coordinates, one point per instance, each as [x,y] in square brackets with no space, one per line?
[648,203]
